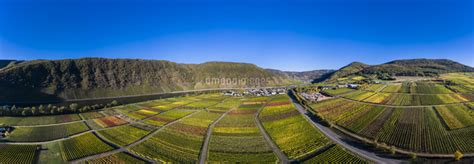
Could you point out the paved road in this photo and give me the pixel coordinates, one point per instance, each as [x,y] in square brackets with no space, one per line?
[339,139]
[205,146]
[281,156]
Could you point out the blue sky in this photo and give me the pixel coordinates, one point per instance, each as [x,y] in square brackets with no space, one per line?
[286,35]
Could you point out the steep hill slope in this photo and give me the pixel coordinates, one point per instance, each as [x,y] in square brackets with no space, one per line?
[352,68]
[98,77]
[418,67]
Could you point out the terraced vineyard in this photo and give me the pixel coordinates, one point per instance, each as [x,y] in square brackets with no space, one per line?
[236,138]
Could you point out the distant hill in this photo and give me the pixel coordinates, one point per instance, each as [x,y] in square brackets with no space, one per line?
[352,68]
[418,67]
[409,67]
[305,76]
[7,63]
[99,77]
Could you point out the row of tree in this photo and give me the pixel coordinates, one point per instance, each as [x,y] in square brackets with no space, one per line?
[51,109]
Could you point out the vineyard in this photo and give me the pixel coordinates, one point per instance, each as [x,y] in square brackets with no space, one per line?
[46,133]
[228,104]
[335,154]
[236,138]
[289,130]
[18,153]
[142,114]
[167,117]
[39,120]
[460,82]
[109,121]
[402,99]
[416,129]
[82,146]
[116,158]
[123,135]
[456,116]
[91,115]
[354,116]
[179,142]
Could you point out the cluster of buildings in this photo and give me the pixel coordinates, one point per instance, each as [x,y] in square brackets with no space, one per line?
[4,131]
[313,97]
[257,92]
[353,86]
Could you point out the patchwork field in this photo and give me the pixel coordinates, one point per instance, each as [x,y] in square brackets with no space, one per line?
[236,138]
[109,121]
[289,130]
[428,132]
[179,142]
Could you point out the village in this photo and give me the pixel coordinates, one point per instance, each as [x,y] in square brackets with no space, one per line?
[320,96]
[256,92]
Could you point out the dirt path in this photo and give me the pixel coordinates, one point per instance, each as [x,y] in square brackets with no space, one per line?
[205,146]
[281,156]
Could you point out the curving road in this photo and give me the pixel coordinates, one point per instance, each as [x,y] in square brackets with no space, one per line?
[340,139]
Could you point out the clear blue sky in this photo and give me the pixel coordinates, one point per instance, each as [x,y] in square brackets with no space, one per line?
[287,35]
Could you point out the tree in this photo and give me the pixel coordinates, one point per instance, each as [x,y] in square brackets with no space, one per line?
[413,155]
[23,113]
[392,150]
[33,111]
[458,155]
[73,107]
[41,109]
[115,103]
